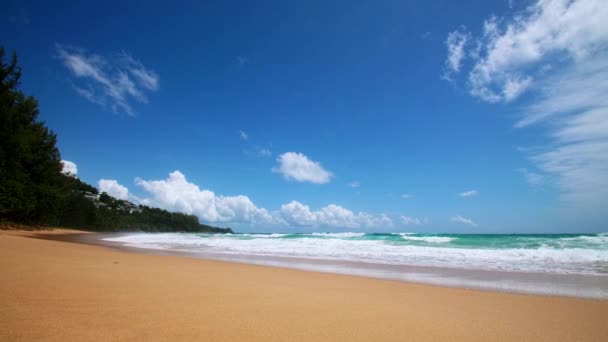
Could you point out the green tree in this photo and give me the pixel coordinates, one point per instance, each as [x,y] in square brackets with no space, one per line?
[30,164]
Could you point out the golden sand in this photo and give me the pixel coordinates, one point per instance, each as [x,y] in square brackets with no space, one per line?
[53,290]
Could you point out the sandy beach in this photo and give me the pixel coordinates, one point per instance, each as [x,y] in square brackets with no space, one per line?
[54,290]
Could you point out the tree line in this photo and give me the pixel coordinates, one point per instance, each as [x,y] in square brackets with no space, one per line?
[33,189]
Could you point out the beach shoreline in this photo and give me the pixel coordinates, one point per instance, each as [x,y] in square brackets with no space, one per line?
[56,290]
[533,283]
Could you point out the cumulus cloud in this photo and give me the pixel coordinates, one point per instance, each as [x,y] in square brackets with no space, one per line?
[298,167]
[463,220]
[407,220]
[243,135]
[407,196]
[113,188]
[176,193]
[469,193]
[112,82]
[558,51]
[354,184]
[69,168]
[297,214]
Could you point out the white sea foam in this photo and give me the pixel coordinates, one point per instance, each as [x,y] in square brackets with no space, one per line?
[432,239]
[596,239]
[263,236]
[341,247]
[339,235]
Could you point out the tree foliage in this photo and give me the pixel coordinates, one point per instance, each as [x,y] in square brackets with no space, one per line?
[33,190]
[30,165]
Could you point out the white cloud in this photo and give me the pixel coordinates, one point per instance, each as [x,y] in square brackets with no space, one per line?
[455,43]
[559,50]
[510,50]
[573,105]
[297,214]
[407,220]
[243,135]
[533,178]
[296,166]
[463,220]
[113,188]
[354,184]
[469,193]
[263,152]
[513,87]
[110,82]
[258,151]
[69,168]
[407,196]
[176,193]
[146,78]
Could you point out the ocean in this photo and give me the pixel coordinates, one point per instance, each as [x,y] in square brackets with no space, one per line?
[554,264]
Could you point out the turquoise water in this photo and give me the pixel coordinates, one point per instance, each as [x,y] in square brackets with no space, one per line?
[479,241]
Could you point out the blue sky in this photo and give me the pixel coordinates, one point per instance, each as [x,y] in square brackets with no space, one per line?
[430,116]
